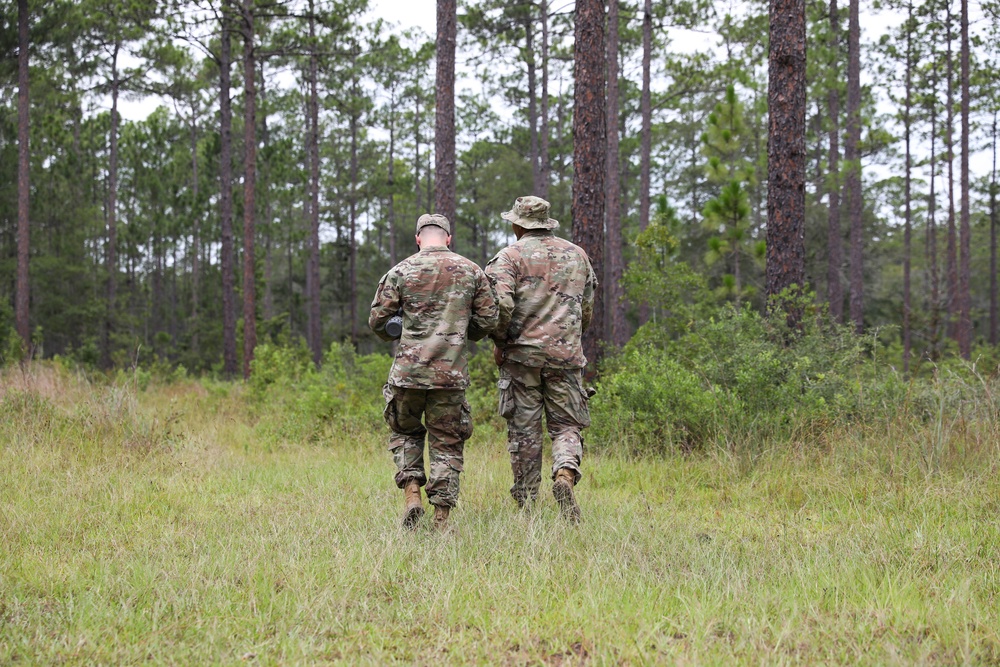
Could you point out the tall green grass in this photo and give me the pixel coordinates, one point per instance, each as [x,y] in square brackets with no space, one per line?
[184,524]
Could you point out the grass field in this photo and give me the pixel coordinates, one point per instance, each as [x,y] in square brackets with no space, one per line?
[169,527]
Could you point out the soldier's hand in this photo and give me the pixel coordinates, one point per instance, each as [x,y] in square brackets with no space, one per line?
[498,355]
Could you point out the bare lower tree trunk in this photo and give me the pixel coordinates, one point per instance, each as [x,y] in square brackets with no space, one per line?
[23,168]
[786,153]
[949,136]
[853,157]
[315,333]
[529,48]
[932,258]
[646,138]
[993,239]
[196,235]
[444,136]
[112,250]
[908,223]
[834,241]
[964,271]
[392,178]
[542,186]
[265,137]
[613,278]
[249,187]
[353,204]
[226,199]
[589,161]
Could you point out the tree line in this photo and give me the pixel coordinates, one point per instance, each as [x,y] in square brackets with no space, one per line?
[778,149]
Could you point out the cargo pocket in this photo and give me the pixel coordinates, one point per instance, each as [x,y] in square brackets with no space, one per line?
[584,413]
[389,413]
[506,403]
[465,425]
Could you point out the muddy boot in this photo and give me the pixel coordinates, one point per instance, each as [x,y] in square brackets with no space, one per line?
[441,518]
[414,508]
[562,489]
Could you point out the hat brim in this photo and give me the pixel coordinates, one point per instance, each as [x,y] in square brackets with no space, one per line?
[529,223]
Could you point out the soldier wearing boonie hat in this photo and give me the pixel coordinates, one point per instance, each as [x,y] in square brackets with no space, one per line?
[545,289]
[444,299]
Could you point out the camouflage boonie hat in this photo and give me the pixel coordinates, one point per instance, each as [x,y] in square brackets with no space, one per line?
[435,220]
[530,213]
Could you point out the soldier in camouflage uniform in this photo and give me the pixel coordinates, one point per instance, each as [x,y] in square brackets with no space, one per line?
[444,299]
[545,288]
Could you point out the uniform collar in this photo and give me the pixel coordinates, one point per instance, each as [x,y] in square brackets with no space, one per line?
[537,232]
[434,248]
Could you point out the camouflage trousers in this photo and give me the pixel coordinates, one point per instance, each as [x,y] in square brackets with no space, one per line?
[448,422]
[525,393]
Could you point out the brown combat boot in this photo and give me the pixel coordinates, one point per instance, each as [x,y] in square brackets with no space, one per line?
[414,508]
[562,489]
[441,518]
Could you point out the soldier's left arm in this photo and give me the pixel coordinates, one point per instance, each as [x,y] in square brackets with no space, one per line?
[485,311]
[385,304]
[503,276]
[589,290]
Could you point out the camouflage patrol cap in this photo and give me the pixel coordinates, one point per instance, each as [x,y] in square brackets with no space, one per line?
[530,213]
[433,219]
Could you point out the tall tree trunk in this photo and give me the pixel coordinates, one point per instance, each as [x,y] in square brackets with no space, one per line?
[786,153]
[112,250]
[444,123]
[589,161]
[392,178]
[853,158]
[249,187]
[908,222]
[542,186]
[993,239]
[964,271]
[265,138]
[932,257]
[952,248]
[196,235]
[646,139]
[834,241]
[227,252]
[416,154]
[315,333]
[613,278]
[353,204]
[529,49]
[23,190]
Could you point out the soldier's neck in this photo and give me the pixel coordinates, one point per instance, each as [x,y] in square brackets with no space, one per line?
[426,247]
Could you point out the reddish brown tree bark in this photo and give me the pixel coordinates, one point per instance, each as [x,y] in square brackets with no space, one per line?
[226,197]
[23,168]
[249,186]
[964,271]
[951,257]
[315,331]
[613,278]
[542,185]
[908,214]
[853,157]
[993,239]
[444,135]
[834,241]
[786,152]
[589,160]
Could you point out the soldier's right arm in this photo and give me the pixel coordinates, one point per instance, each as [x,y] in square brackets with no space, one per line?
[503,274]
[385,304]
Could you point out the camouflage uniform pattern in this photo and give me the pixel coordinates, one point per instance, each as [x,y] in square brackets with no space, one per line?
[445,299]
[449,425]
[545,288]
[525,393]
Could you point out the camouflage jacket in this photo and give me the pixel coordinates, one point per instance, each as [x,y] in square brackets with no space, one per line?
[545,287]
[445,298]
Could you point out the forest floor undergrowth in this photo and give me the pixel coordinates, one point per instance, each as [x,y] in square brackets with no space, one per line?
[166,526]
